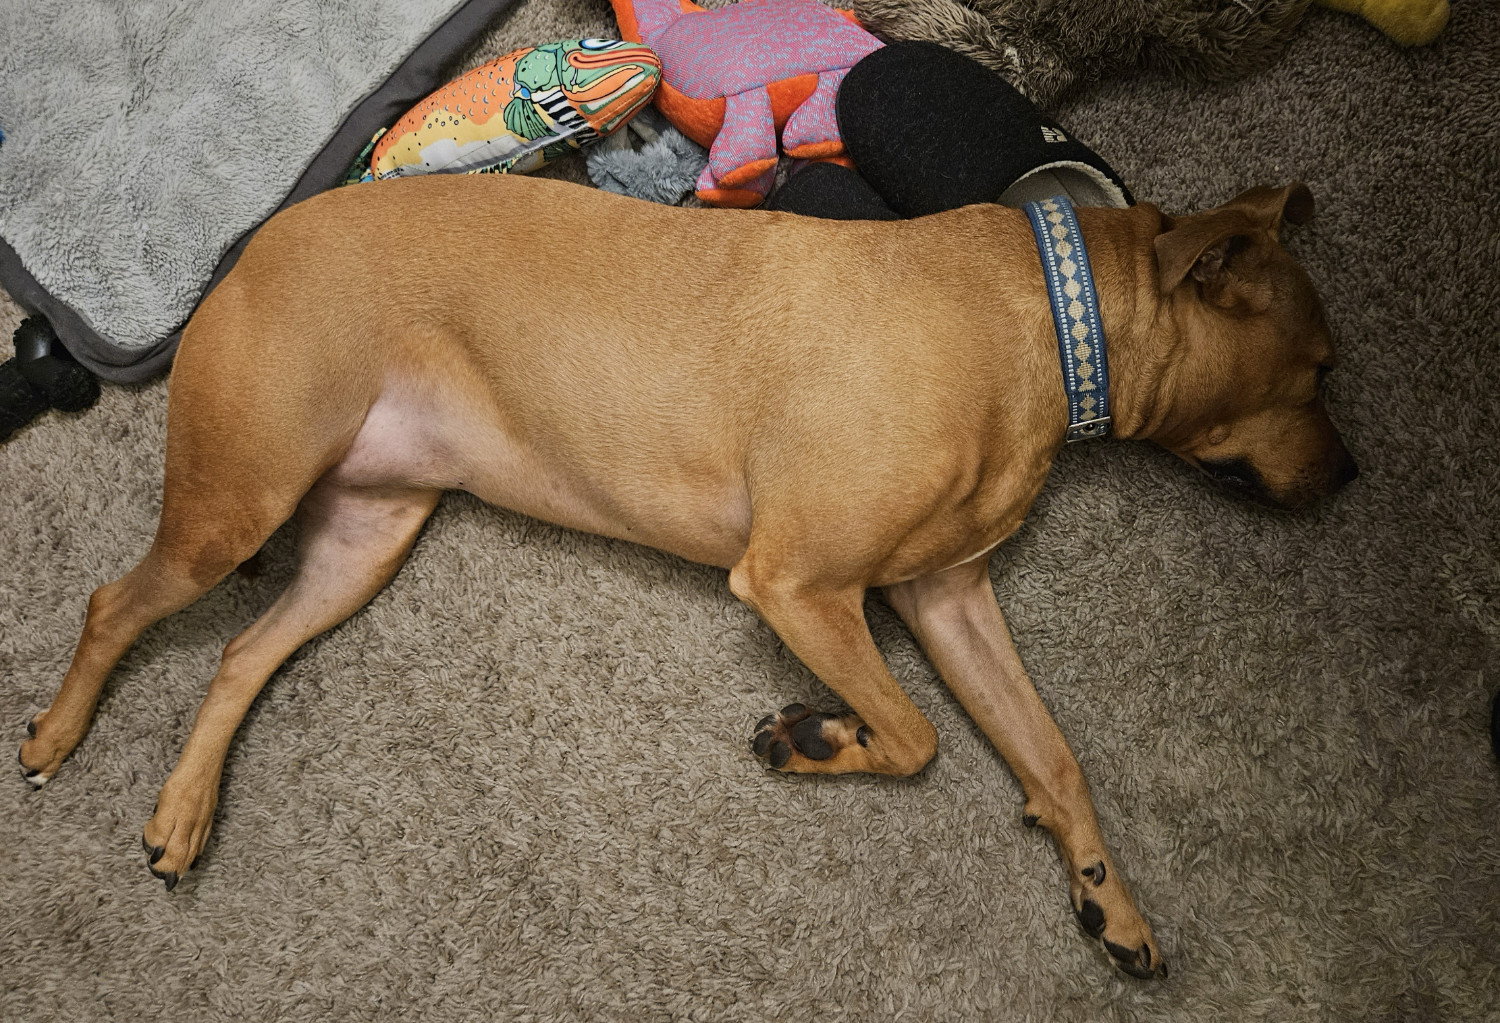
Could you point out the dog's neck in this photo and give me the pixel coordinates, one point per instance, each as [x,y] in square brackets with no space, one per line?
[1121,247]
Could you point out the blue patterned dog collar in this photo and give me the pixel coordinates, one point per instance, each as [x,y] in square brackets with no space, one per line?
[1075,313]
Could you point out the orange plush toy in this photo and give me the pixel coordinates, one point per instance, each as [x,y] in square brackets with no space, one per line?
[732,78]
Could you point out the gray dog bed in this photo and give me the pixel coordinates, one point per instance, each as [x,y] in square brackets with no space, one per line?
[141,151]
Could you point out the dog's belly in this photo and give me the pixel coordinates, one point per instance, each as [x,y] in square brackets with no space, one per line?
[445,440]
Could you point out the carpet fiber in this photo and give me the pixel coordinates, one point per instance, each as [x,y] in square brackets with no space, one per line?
[517,786]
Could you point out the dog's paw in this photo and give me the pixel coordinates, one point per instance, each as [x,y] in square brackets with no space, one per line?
[1107,913]
[178,831]
[40,756]
[798,739]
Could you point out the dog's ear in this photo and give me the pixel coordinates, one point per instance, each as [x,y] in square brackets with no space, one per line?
[1274,206]
[1202,246]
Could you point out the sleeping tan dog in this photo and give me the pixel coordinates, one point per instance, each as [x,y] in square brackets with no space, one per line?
[819,407]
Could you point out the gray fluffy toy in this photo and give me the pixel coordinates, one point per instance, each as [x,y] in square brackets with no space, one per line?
[664,169]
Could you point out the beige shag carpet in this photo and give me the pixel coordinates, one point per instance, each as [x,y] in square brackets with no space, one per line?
[517,786]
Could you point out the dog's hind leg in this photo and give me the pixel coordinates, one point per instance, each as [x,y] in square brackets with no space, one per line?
[955,617]
[243,447]
[353,540]
[203,534]
[118,613]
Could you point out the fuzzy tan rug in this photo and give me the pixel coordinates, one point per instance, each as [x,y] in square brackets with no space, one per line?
[517,786]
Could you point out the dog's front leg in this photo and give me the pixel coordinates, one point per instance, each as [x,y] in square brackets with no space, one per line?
[824,625]
[955,617]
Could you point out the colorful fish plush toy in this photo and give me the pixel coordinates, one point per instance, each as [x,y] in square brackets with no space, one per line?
[517,112]
[733,77]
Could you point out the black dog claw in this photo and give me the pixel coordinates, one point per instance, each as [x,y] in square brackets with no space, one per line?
[168,877]
[31,728]
[1030,820]
[153,852]
[27,772]
[1137,963]
[1095,874]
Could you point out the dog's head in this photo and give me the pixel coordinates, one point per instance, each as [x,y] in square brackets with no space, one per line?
[1242,397]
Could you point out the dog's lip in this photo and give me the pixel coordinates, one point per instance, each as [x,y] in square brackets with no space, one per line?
[1263,497]
[1247,485]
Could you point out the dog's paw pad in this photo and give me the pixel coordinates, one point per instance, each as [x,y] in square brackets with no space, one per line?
[795,731]
[774,729]
[807,736]
[1133,951]
[1091,918]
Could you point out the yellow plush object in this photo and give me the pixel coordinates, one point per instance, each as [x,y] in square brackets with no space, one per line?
[1408,22]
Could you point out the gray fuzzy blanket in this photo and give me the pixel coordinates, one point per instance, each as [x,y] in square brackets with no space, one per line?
[143,140]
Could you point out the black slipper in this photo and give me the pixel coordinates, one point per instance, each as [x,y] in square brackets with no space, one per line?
[932,130]
[832,192]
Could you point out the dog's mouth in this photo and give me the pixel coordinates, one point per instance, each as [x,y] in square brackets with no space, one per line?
[1239,476]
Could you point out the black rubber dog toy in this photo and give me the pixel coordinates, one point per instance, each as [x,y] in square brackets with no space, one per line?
[42,375]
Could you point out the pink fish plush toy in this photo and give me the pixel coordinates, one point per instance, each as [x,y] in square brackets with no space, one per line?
[733,77]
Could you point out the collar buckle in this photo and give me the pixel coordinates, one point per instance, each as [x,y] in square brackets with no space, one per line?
[1090,429]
